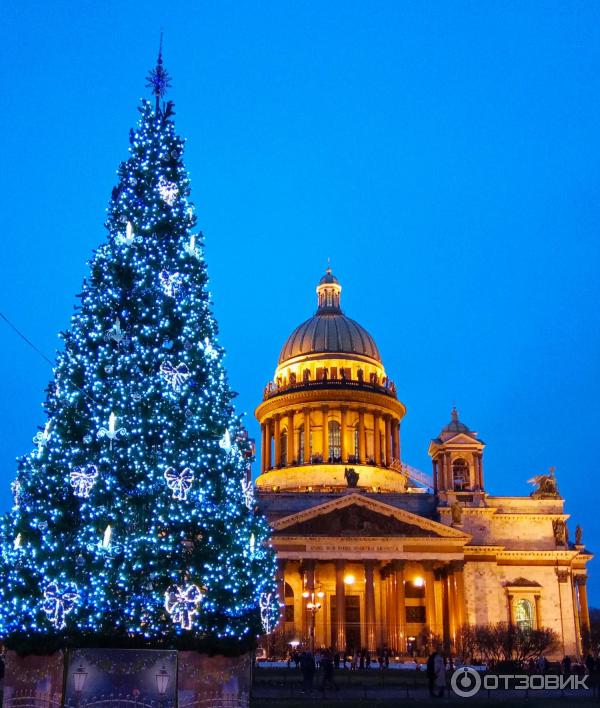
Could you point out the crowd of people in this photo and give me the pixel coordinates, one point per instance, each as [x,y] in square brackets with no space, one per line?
[326,661]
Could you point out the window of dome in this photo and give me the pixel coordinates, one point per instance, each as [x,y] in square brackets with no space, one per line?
[335,441]
[460,474]
[524,615]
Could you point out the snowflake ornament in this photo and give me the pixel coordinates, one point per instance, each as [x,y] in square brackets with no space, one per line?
[16,488]
[168,191]
[175,376]
[248,492]
[179,483]
[268,602]
[182,603]
[170,283]
[59,602]
[83,479]
[225,442]
[41,438]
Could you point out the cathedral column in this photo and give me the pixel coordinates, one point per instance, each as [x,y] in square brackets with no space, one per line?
[443,578]
[371,642]
[390,607]
[303,625]
[377,438]
[459,593]
[400,602]
[435,476]
[325,440]
[263,447]
[362,437]
[277,436]
[430,615]
[451,594]
[267,448]
[396,439]
[309,574]
[388,441]
[344,412]
[449,476]
[290,438]
[576,616]
[307,435]
[340,606]
[538,612]
[280,584]
[584,612]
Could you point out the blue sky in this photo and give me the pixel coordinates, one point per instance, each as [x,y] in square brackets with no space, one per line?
[442,154]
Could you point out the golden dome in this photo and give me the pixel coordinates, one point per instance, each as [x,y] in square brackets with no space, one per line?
[329,331]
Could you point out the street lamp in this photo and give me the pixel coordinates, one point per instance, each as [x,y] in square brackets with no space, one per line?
[313,606]
[79,679]
[162,681]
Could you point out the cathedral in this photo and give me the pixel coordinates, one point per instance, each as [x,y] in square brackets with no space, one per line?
[375,554]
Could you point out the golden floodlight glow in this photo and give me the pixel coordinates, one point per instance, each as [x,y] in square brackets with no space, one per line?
[418,582]
[349,579]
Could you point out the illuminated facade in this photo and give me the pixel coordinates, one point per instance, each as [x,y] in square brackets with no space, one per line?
[374,554]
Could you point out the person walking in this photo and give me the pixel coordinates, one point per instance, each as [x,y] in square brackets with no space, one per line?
[327,666]
[431,673]
[439,666]
[307,666]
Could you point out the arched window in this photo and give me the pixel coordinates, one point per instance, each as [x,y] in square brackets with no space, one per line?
[283,448]
[301,443]
[460,474]
[335,440]
[524,615]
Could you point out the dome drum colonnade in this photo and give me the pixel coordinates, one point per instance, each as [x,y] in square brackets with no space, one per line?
[330,404]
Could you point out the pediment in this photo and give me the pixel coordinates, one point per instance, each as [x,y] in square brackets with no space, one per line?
[360,516]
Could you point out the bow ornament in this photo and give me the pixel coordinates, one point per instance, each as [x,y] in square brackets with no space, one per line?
[59,602]
[83,479]
[179,483]
[182,603]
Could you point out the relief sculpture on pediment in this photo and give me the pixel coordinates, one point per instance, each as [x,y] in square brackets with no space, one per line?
[356,521]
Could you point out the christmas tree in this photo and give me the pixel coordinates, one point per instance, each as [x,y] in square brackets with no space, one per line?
[133,521]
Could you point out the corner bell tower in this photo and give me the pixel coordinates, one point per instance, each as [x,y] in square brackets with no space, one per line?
[457,456]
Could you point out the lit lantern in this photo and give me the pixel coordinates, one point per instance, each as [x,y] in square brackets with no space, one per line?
[79,679]
[162,681]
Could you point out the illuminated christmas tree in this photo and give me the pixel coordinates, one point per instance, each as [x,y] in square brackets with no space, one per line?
[133,523]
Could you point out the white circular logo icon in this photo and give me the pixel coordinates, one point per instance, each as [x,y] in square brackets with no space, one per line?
[465,682]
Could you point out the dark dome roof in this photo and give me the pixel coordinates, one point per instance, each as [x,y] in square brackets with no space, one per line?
[455,425]
[329,330]
[328,278]
[331,333]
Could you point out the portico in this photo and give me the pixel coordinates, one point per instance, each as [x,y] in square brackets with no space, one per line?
[395,580]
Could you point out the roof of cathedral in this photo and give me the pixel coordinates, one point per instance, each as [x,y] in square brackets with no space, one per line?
[329,330]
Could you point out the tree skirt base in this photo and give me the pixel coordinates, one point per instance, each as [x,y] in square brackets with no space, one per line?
[143,676]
